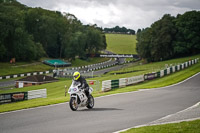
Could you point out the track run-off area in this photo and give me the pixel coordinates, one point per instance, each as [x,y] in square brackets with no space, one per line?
[110,113]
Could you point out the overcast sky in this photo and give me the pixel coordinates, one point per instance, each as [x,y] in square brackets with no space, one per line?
[132,14]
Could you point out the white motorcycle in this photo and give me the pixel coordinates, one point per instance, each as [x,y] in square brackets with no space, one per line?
[78,97]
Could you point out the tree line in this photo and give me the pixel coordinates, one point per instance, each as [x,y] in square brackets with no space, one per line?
[170,37]
[31,33]
[121,30]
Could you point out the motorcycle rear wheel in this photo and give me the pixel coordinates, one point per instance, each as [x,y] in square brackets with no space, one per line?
[90,102]
[73,104]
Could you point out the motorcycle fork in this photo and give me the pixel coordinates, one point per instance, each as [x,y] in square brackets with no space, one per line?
[77,98]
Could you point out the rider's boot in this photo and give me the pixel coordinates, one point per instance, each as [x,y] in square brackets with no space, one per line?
[87,95]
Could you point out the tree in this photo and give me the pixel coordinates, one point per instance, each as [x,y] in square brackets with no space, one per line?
[95,40]
[155,43]
[30,33]
[163,32]
[143,46]
[138,31]
[117,29]
[188,36]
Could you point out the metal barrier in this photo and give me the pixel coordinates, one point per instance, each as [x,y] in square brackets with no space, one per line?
[42,93]
[20,96]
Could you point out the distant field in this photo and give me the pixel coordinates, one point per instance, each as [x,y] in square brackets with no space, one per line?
[121,43]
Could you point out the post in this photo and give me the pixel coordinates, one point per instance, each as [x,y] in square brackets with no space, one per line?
[65,90]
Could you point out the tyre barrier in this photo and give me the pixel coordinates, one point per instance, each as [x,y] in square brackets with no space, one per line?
[108,85]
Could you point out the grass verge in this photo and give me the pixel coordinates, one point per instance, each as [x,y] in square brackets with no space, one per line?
[182,127]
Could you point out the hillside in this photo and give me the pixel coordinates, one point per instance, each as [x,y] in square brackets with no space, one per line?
[121,43]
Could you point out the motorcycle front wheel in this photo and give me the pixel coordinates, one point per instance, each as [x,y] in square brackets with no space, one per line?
[73,104]
[90,102]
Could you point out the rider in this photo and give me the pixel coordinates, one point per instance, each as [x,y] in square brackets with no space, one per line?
[84,85]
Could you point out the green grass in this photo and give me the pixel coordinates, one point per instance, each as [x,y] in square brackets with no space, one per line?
[140,68]
[182,127]
[25,67]
[121,44]
[79,62]
[22,67]
[56,91]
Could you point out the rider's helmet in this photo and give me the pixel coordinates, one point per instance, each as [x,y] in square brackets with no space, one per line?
[76,75]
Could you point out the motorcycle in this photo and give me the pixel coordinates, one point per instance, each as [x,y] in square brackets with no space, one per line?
[78,97]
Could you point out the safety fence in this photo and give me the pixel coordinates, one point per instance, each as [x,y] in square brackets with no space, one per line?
[108,85]
[20,96]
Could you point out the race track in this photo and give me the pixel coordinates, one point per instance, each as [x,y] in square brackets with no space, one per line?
[110,114]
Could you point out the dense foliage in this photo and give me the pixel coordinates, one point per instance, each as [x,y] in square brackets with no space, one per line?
[170,37]
[121,30]
[30,33]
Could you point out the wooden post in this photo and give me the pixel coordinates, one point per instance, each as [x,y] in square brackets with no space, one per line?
[65,90]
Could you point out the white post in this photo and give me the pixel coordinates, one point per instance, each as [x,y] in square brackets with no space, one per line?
[92,73]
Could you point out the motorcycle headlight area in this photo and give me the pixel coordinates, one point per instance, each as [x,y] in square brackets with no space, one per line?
[72,89]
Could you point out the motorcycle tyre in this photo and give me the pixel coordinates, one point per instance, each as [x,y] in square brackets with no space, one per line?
[90,106]
[71,104]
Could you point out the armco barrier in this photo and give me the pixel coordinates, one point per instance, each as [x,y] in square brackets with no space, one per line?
[135,79]
[42,93]
[150,76]
[106,85]
[114,84]
[158,74]
[111,84]
[173,69]
[20,96]
[13,97]
[162,73]
[122,82]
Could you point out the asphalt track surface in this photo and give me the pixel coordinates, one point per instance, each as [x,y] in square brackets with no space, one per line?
[110,114]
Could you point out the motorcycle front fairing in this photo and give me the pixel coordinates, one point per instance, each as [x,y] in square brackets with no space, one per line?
[77,93]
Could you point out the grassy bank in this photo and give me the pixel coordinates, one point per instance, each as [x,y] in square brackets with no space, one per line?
[56,91]
[22,67]
[182,127]
[25,67]
[89,61]
[140,68]
[121,44]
